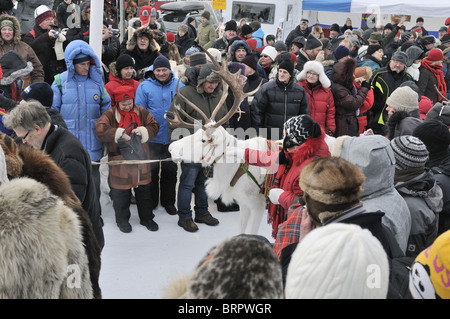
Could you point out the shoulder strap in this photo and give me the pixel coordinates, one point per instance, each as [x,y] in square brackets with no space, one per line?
[58,82]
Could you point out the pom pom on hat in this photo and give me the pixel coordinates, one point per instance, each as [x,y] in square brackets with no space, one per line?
[41,13]
[170,37]
[435,55]
[409,152]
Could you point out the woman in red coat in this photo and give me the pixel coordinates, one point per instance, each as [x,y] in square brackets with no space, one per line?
[122,73]
[303,141]
[320,99]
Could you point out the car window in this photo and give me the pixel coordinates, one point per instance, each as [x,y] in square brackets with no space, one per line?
[262,12]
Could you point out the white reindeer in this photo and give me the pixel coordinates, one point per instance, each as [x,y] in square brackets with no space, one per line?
[208,146]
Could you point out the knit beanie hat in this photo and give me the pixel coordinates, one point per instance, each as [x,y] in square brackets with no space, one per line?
[197,58]
[123,61]
[287,65]
[286,56]
[435,55]
[280,46]
[371,49]
[400,56]
[80,58]
[191,50]
[335,27]
[270,51]
[336,261]
[312,42]
[250,62]
[428,277]
[161,62]
[409,152]
[144,14]
[7,23]
[41,13]
[434,134]
[439,112]
[231,26]
[170,37]
[403,99]
[39,91]
[123,93]
[298,129]
[246,29]
[206,14]
[341,52]
[242,267]
[332,181]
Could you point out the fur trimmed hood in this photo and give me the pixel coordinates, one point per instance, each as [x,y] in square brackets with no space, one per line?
[17,33]
[13,67]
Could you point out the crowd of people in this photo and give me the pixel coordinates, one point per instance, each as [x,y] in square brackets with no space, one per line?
[360,118]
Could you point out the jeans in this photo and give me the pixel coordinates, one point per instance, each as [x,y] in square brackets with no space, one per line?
[192,180]
[164,176]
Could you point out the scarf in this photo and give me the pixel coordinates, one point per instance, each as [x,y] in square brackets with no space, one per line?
[126,118]
[404,175]
[436,70]
[414,71]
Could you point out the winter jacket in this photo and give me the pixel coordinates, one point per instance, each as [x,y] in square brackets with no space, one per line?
[108,131]
[347,98]
[426,83]
[424,199]
[384,81]
[373,155]
[82,99]
[43,46]
[183,43]
[25,13]
[277,102]
[70,155]
[116,81]
[297,32]
[402,123]
[258,35]
[287,173]
[362,112]
[321,105]
[206,102]
[157,97]
[25,51]
[370,62]
[206,35]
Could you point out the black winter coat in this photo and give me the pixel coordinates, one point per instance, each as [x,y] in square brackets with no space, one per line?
[277,102]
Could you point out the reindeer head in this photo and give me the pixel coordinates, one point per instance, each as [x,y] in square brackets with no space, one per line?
[210,139]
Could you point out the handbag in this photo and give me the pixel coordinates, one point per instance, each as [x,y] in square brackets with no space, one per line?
[132,149]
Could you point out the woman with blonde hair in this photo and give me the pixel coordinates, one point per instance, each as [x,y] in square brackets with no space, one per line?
[317,31]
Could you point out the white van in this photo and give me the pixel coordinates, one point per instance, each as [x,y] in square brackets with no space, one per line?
[277,18]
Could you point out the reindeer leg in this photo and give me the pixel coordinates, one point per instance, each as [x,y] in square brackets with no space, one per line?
[257,213]
[243,219]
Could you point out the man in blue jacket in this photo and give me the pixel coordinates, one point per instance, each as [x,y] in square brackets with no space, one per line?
[156,93]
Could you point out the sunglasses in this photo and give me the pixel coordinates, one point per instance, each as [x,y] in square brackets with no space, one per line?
[264,56]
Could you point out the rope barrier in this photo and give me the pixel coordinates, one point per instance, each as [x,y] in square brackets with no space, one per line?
[131,162]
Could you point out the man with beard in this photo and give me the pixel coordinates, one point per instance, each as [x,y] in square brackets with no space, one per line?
[384,81]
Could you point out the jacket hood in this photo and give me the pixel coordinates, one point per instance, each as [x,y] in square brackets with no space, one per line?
[144,31]
[374,156]
[79,46]
[236,45]
[16,26]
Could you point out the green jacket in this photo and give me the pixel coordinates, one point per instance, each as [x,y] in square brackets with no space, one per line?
[206,35]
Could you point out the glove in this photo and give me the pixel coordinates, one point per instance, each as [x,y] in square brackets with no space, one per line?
[234,154]
[275,194]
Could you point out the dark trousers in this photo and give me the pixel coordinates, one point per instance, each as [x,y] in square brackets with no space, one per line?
[96,179]
[164,176]
[122,199]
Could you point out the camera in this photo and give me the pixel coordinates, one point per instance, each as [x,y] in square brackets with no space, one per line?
[115,32]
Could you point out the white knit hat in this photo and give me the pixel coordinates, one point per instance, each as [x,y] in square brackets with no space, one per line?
[338,261]
[403,99]
[316,67]
[270,51]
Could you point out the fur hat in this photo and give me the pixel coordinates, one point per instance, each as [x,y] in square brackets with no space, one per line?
[341,52]
[434,134]
[364,71]
[270,51]
[215,53]
[428,276]
[41,13]
[334,262]
[231,26]
[12,67]
[332,181]
[440,111]
[206,14]
[143,31]
[206,74]
[3,169]
[315,67]
[409,152]
[246,29]
[435,55]
[428,39]
[39,91]
[445,39]
[312,42]
[298,129]
[242,267]
[403,99]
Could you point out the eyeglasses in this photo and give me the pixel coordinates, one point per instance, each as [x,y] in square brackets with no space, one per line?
[312,73]
[26,135]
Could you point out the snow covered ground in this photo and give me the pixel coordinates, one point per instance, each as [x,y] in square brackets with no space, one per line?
[140,264]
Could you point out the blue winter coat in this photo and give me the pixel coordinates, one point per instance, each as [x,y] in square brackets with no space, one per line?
[82,99]
[258,35]
[157,98]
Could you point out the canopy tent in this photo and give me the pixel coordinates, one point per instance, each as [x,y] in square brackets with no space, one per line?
[409,7]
